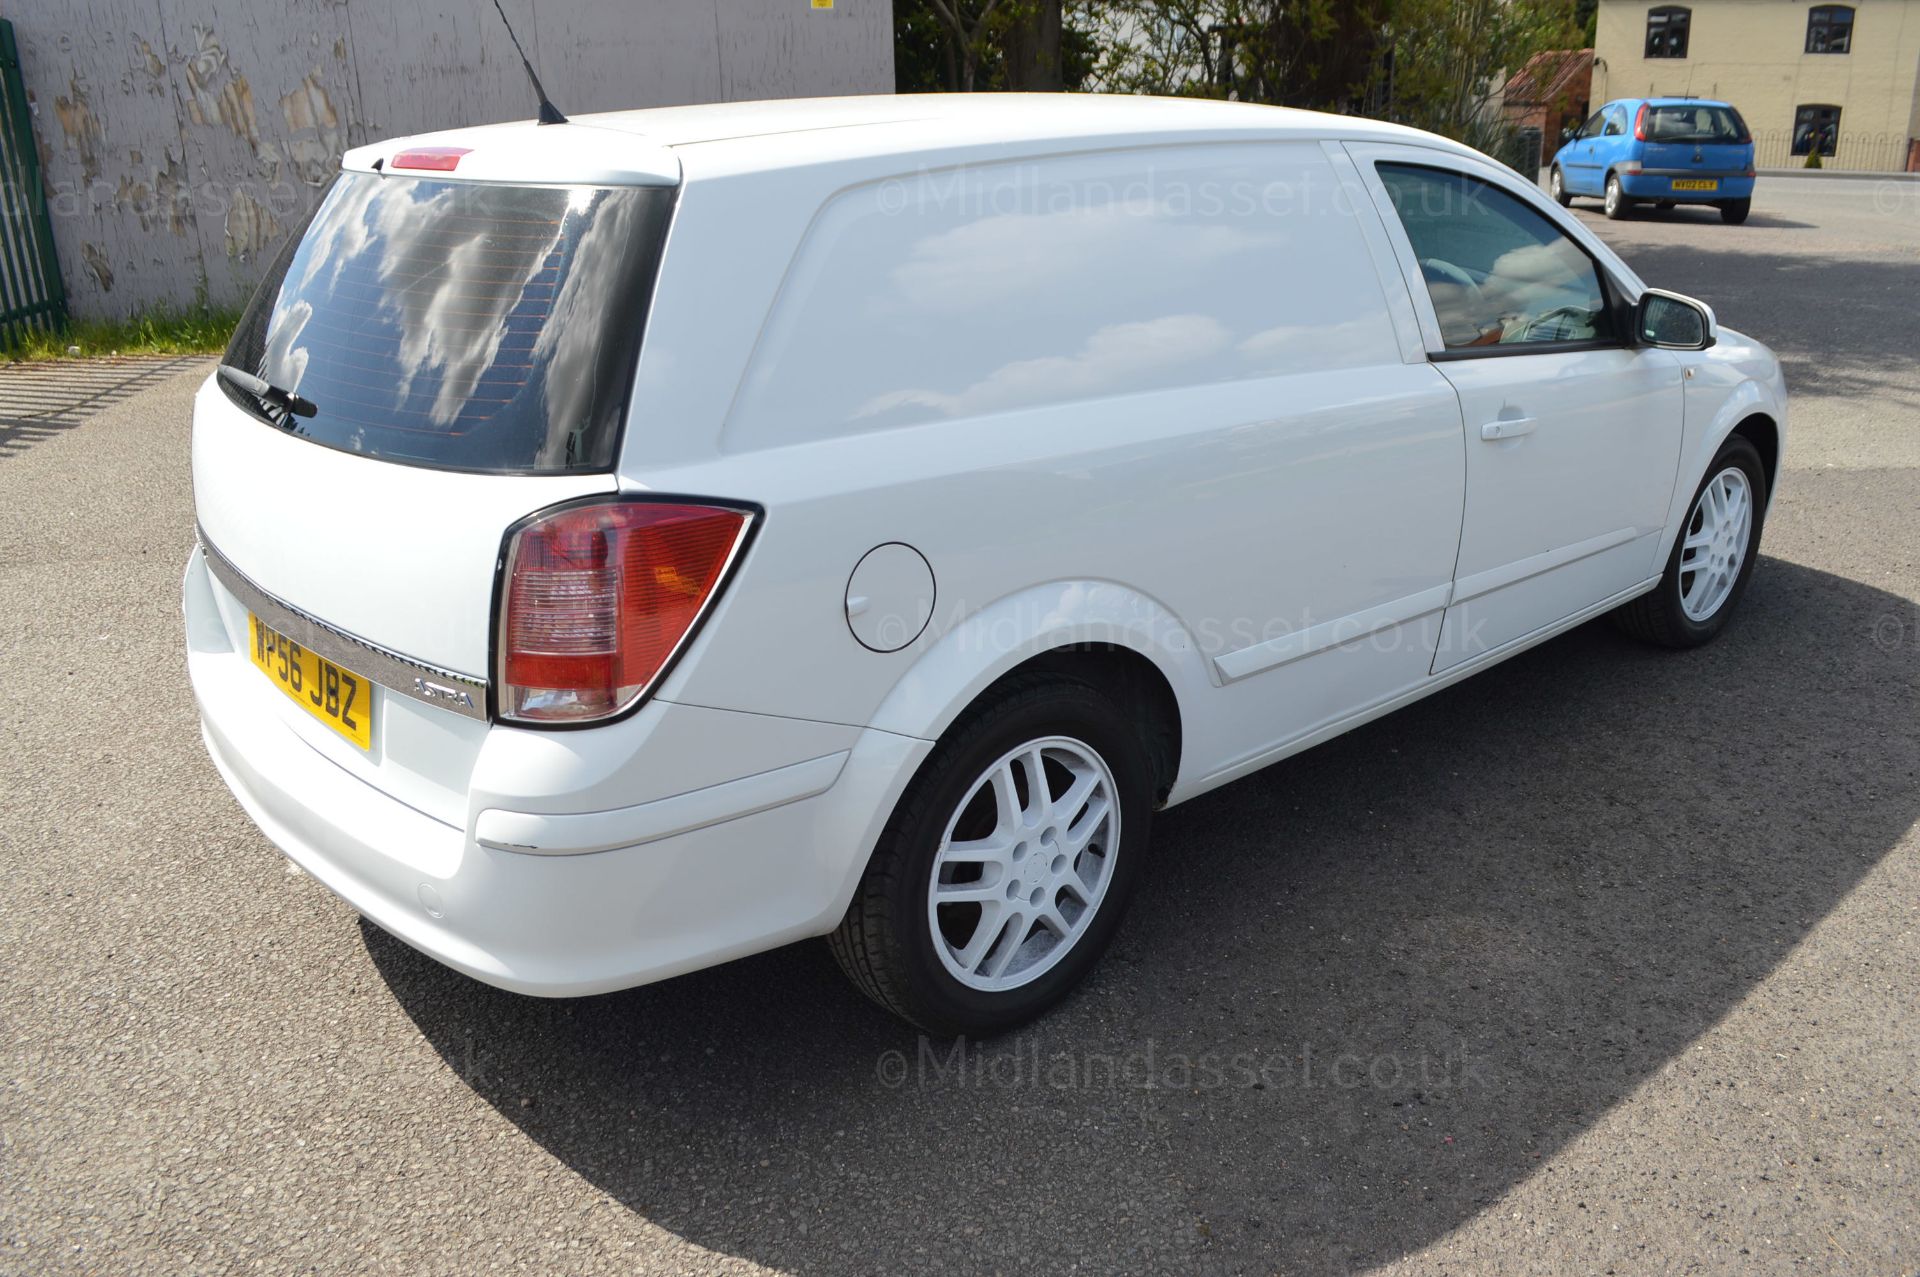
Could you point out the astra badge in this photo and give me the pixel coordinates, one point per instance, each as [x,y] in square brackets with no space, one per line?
[441,692]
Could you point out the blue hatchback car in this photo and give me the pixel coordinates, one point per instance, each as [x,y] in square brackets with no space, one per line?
[1662,151]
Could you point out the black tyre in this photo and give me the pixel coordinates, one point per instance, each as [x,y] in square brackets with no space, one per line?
[1734,212]
[1712,558]
[1617,204]
[1557,187]
[1032,874]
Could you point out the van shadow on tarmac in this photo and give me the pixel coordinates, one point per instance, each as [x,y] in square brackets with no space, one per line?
[1452,939]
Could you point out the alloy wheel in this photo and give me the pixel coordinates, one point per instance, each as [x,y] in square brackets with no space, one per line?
[1715,548]
[1024,864]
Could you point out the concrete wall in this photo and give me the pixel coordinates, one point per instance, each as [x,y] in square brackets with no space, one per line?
[179,138]
[1752,53]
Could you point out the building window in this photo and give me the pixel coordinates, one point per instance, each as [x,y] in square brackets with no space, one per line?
[1816,128]
[1667,31]
[1829,28]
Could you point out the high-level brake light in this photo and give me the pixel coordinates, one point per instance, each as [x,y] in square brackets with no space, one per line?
[437,159]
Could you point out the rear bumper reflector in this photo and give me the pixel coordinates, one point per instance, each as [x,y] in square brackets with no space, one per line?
[579,834]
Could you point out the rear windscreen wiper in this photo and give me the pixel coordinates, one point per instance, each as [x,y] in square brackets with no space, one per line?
[267,392]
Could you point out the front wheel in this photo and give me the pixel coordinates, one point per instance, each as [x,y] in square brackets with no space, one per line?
[1002,875]
[1557,187]
[1617,202]
[1734,212]
[1712,557]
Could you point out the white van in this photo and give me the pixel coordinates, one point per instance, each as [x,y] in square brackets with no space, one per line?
[632,543]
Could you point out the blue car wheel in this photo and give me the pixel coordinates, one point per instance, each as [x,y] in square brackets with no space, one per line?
[1617,203]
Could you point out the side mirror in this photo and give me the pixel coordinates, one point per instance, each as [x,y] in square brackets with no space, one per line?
[1673,322]
[1569,134]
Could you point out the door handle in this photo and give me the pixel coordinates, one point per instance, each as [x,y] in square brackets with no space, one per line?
[1512,429]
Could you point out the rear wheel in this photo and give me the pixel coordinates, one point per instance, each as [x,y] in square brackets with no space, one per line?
[1734,212]
[1712,557]
[1617,203]
[1004,870]
[1557,187]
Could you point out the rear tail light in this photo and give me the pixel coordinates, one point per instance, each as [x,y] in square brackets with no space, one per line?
[1640,123]
[597,600]
[1749,170]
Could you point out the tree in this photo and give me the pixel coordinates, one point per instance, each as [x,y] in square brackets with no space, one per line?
[923,56]
[1034,42]
[1321,54]
[1435,64]
[966,36]
[1450,57]
[958,46]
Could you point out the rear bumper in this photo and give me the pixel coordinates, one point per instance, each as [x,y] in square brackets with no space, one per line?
[558,902]
[1659,186]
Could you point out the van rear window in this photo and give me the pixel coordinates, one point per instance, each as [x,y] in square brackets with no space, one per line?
[460,325]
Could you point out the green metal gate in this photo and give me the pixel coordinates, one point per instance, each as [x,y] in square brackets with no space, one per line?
[31,294]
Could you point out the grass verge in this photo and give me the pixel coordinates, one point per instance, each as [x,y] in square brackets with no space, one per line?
[192,330]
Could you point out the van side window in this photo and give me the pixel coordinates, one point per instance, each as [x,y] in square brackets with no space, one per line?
[1616,122]
[958,293]
[1499,272]
[1593,125]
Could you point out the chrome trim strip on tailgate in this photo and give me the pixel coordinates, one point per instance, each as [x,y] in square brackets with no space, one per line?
[461,693]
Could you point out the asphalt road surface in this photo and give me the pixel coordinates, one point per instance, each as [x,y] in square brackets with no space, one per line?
[1603,961]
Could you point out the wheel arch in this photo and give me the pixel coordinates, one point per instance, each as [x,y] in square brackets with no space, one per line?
[1752,410]
[1100,631]
[1130,677]
[1763,432]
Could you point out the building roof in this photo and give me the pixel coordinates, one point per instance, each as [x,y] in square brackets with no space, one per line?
[1549,77]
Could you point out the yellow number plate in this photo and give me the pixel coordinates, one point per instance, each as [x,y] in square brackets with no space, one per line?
[1695,184]
[341,700]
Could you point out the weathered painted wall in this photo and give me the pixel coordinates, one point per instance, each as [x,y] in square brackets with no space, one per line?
[180,138]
